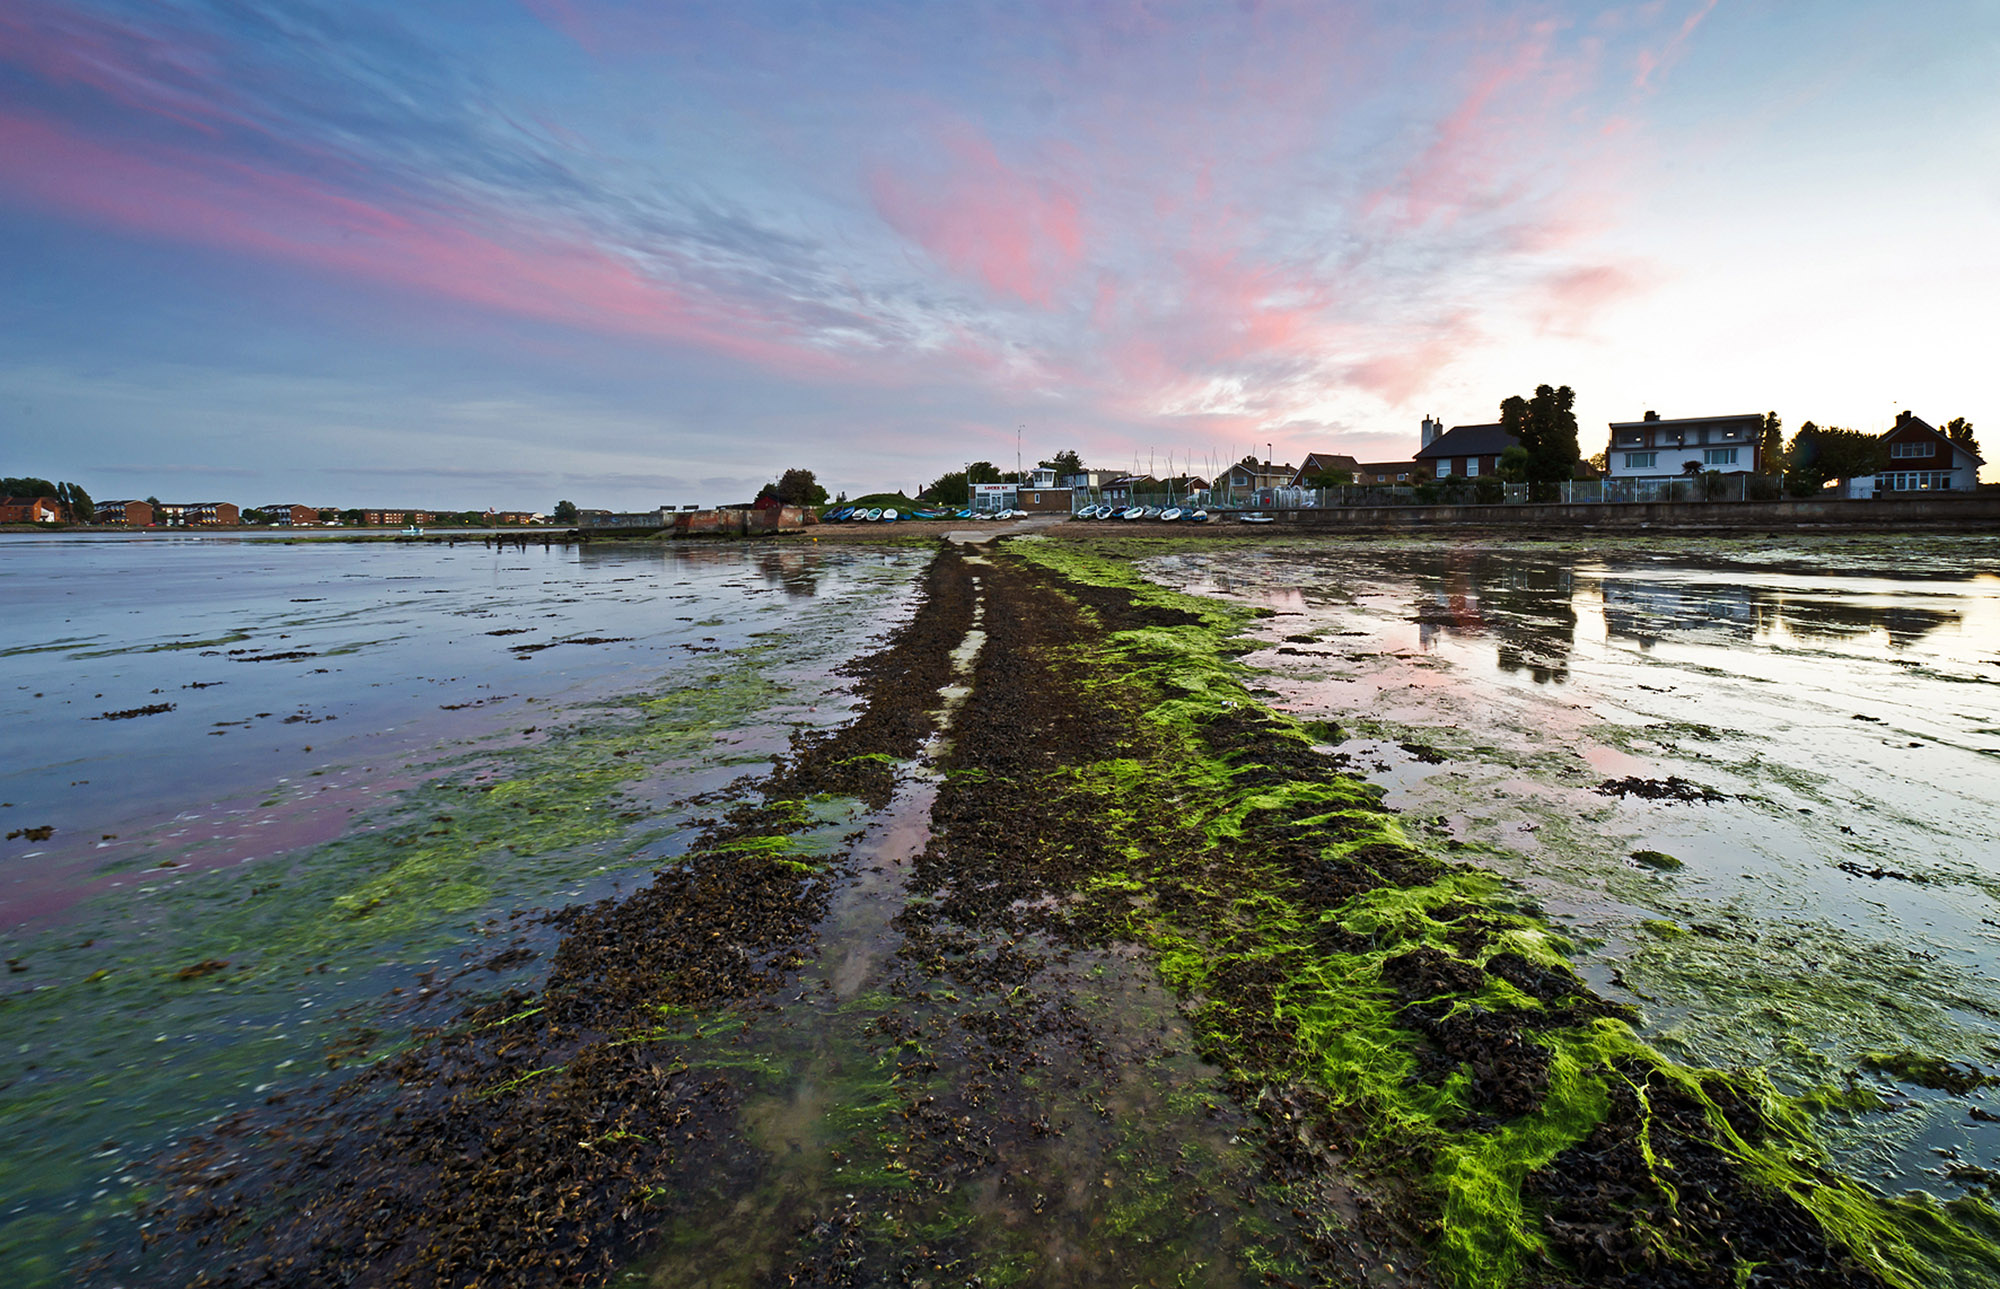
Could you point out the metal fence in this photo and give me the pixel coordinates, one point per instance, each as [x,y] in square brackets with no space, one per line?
[1488,490]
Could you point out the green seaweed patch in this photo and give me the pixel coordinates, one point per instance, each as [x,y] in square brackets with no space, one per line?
[1656,859]
[1314,941]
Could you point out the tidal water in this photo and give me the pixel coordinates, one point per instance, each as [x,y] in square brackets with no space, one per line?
[235,853]
[1819,885]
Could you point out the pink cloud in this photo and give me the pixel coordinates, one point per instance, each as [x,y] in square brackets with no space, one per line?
[297,221]
[1650,63]
[1020,235]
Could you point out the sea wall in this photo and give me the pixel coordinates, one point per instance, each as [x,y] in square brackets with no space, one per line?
[1938,512]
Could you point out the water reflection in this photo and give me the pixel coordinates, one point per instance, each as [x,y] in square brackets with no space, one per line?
[1528,607]
[1646,609]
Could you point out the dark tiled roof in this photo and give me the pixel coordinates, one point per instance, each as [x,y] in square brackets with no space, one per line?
[1469,441]
[1757,417]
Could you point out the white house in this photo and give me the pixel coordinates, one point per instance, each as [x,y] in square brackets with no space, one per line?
[1651,448]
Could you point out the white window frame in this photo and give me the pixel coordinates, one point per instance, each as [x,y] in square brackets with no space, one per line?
[1642,460]
[1718,456]
[1905,450]
[1444,468]
[1472,468]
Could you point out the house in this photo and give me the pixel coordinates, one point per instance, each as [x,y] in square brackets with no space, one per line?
[1088,481]
[1918,458]
[499,517]
[129,514]
[1318,463]
[381,518]
[1463,451]
[1650,448]
[31,510]
[1251,475]
[1384,472]
[200,514]
[1124,487]
[292,516]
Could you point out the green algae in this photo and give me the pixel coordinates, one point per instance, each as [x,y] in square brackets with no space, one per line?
[1351,1039]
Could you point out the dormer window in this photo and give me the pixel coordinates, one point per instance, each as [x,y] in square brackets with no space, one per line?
[1927,449]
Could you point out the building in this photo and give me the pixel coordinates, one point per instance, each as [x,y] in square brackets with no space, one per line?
[1318,463]
[988,497]
[1463,451]
[1254,476]
[497,518]
[200,514]
[660,517]
[1123,488]
[381,518]
[1918,458]
[31,510]
[1088,481]
[128,514]
[1376,473]
[1033,498]
[292,516]
[1650,448]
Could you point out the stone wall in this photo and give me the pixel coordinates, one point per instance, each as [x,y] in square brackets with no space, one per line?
[1978,511]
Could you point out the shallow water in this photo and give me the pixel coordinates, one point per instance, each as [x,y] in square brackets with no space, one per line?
[292,867]
[1837,702]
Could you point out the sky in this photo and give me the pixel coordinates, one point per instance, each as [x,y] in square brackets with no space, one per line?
[501,253]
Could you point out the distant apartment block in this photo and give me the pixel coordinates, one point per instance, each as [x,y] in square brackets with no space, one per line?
[126,514]
[1650,448]
[378,518]
[506,517]
[30,510]
[290,515]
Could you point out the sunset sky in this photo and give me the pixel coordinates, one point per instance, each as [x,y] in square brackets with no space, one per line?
[475,254]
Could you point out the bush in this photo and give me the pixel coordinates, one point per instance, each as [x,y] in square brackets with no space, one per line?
[1489,491]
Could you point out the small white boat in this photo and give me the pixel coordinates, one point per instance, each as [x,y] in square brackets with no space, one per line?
[1257,519]
[1198,517]
[413,531]
[889,514]
[1171,513]
[873,514]
[1134,512]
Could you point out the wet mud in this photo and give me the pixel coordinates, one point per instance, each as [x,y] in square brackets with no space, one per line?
[1121,977]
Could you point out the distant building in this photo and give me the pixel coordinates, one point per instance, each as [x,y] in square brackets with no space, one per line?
[1124,487]
[1921,459]
[31,510]
[384,518]
[290,515]
[126,514]
[1463,451]
[502,518]
[1650,448]
[199,514]
[1375,473]
[1088,481]
[1318,463]
[1035,498]
[1254,476]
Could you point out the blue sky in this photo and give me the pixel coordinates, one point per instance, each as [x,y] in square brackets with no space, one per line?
[630,253]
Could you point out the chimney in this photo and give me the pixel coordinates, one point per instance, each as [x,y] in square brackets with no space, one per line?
[1432,428]
[1902,418]
[1651,416]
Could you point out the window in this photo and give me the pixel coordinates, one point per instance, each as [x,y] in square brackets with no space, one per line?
[1472,468]
[1913,449]
[1641,460]
[1718,456]
[1444,468]
[1914,480]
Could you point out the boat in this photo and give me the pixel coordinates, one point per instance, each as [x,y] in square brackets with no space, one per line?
[889,515]
[413,531]
[874,513]
[836,515]
[1134,512]
[1170,514]
[1198,516]
[1256,519]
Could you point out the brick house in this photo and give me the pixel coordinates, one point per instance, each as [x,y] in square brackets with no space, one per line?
[1919,458]
[1317,463]
[200,514]
[379,518]
[291,515]
[1463,451]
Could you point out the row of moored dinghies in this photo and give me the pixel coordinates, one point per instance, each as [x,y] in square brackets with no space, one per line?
[1162,514]
[889,514]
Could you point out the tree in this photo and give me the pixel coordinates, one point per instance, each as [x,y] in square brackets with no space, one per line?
[1771,443]
[1546,426]
[565,512]
[351,518]
[948,489]
[1514,464]
[254,516]
[1818,456]
[1065,464]
[797,488]
[1959,431]
[1329,479]
[81,509]
[27,486]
